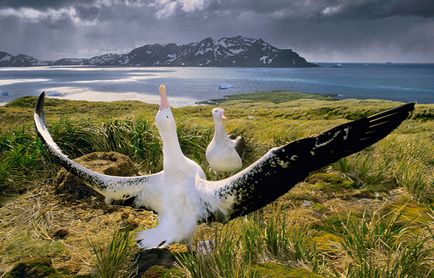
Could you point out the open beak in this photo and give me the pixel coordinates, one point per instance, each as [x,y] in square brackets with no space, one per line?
[164,102]
[223,115]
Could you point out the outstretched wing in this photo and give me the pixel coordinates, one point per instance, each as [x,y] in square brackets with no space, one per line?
[111,187]
[281,168]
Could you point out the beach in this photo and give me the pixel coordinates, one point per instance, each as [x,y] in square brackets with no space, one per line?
[187,86]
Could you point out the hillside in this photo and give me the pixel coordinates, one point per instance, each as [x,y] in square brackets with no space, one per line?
[225,52]
[366,215]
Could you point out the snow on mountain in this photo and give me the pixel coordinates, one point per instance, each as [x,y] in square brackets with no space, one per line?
[225,52]
[8,60]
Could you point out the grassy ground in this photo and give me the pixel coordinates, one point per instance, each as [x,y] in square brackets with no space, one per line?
[368,215]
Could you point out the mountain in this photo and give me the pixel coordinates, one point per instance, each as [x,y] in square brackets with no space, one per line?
[225,52]
[8,60]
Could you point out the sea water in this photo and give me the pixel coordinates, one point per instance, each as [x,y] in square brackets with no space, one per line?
[186,86]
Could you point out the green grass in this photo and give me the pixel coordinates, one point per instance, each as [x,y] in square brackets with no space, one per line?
[379,246]
[357,225]
[398,161]
[374,245]
[275,97]
[240,248]
[115,259]
[22,156]
[224,260]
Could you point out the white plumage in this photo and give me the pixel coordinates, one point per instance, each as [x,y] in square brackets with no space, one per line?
[182,196]
[221,153]
[171,192]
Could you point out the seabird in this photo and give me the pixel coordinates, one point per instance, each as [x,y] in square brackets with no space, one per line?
[221,152]
[182,196]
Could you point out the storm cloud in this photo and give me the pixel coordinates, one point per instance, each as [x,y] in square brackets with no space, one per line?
[322,30]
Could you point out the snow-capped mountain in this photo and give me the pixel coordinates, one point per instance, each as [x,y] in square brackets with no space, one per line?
[225,52]
[8,60]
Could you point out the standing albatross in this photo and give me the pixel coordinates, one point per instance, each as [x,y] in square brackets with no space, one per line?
[182,196]
[221,152]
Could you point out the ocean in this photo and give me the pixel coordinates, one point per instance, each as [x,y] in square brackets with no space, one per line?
[186,86]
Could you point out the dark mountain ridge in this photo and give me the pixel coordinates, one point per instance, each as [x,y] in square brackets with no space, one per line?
[225,52]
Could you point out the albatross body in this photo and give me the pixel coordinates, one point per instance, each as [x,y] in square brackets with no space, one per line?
[171,192]
[221,152]
[182,196]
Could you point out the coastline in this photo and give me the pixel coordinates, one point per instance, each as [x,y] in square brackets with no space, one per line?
[271,96]
[113,97]
[190,86]
[276,96]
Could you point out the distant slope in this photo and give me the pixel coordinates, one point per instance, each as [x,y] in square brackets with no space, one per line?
[8,60]
[225,52]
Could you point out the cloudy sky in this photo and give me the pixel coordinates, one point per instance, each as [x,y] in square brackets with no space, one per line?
[319,30]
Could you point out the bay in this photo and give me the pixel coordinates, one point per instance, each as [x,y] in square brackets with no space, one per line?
[186,86]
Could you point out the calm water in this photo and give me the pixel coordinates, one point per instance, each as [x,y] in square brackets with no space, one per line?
[409,82]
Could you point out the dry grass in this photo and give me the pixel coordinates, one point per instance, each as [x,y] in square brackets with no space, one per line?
[397,171]
[32,227]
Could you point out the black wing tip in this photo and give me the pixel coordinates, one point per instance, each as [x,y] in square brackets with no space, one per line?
[405,108]
[409,106]
[39,108]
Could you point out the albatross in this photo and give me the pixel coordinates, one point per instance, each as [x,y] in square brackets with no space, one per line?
[183,198]
[221,153]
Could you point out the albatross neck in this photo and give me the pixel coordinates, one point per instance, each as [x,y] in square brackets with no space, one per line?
[172,153]
[219,131]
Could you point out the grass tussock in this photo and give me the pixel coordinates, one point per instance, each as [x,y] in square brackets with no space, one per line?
[21,156]
[376,245]
[381,246]
[238,249]
[397,161]
[368,215]
[115,259]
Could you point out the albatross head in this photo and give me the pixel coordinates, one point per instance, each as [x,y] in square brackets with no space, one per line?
[164,119]
[218,114]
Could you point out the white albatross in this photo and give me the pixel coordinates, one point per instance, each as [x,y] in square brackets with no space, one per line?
[221,153]
[182,196]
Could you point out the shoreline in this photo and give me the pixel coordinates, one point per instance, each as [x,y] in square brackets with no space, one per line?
[178,102]
[113,97]
[195,86]
[215,101]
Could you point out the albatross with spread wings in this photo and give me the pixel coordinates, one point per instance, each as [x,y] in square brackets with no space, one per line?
[182,196]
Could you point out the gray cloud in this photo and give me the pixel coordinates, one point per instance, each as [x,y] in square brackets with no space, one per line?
[321,30]
[379,9]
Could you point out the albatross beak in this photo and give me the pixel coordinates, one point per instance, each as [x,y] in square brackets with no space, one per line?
[223,115]
[164,102]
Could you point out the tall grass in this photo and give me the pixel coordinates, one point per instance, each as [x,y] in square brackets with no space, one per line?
[115,259]
[21,158]
[287,242]
[397,161]
[376,245]
[22,154]
[73,138]
[137,139]
[369,245]
[382,246]
[224,260]
[250,241]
